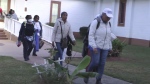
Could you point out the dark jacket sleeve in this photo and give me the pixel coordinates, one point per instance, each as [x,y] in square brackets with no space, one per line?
[21,32]
[41,29]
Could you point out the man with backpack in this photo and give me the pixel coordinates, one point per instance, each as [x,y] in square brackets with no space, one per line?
[99,43]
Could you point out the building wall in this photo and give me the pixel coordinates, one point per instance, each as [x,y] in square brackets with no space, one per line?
[136,24]
[41,8]
[18,6]
[34,7]
[141,23]
[136,29]
[114,5]
[102,4]
[80,13]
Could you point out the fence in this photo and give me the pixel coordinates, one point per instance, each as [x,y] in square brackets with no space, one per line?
[13,26]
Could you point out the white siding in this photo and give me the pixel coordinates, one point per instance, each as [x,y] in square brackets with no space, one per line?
[41,8]
[136,19]
[141,16]
[102,4]
[34,7]
[80,13]
[18,6]
[123,31]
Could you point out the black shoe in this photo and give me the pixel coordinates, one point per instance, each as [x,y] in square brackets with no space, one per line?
[34,54]
[26,59]
[98,82]
[86,80]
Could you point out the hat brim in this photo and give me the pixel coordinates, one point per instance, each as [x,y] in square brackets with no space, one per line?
[109,15]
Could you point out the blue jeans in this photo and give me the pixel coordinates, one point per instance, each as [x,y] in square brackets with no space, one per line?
[98,61]
[59,53]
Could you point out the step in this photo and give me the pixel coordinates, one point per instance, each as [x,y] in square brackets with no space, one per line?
[1,30]
[3,35]
[3,38]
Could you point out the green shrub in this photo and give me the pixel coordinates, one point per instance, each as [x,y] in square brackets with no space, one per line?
[83,31]
[117,47]
[51,24]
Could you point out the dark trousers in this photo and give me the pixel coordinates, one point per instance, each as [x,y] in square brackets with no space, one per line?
[34,50]
[27,48]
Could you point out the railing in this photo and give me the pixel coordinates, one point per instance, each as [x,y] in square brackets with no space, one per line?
[13,26]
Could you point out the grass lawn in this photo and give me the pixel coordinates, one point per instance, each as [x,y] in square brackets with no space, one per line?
[133,65]
[79,45]
[16,72]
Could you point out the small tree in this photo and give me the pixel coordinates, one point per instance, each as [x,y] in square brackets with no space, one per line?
[53,73]
[117,47]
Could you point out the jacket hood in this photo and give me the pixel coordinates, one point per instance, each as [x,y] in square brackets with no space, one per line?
[60,19]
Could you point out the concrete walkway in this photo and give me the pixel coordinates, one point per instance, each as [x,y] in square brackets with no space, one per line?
[9,48]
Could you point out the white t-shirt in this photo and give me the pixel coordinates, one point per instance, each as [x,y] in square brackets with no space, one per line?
[37,26]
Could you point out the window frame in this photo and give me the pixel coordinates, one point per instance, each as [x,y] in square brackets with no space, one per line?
[120,12]
[59,9]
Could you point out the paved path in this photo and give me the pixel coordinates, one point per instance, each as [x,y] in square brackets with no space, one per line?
[9,48]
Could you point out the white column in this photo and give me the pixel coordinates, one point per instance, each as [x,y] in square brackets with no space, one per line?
[114,13]
[131,6]
[149,18]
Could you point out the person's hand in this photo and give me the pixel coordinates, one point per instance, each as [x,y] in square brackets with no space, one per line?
[74,43]
[95,50]
[18,43]
[53,44]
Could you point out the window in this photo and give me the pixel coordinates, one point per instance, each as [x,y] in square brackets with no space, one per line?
[5,5]
[122,11]
[55,11]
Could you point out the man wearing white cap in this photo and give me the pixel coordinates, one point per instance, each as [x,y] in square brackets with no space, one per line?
[99,43]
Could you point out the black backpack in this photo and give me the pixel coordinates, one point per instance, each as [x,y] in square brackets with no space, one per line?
[85,40]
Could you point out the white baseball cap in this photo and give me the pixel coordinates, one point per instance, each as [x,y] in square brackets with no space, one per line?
[108,12]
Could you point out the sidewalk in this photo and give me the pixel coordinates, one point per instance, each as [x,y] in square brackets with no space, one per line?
[9,48]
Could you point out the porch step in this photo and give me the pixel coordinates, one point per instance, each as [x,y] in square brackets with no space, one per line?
[3,35]
[3,38]
[1,30]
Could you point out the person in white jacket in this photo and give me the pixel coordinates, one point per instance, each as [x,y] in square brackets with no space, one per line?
[57,33]
[99,43]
